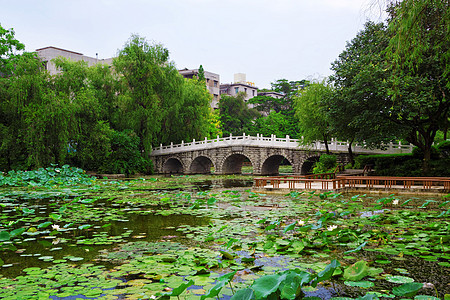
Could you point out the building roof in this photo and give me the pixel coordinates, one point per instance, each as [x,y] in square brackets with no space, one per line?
[52,47]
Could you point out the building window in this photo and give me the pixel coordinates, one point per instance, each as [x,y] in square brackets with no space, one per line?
[236,90]
[253,93]
[245,90]
[215,83]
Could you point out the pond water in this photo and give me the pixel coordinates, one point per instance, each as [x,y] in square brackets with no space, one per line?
[136,238]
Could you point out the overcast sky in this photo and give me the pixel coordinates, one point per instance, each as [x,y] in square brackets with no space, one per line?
[265,39]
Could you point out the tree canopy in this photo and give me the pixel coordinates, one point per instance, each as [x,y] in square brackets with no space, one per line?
[394,77]
[235,116]
[311,113]
[98,118]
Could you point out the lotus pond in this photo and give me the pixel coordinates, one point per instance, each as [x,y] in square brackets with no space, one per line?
[65,235]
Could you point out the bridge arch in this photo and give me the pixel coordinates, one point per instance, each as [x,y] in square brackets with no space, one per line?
[232,164]
[271,164]
[308,164]
[173,166]
[201,165]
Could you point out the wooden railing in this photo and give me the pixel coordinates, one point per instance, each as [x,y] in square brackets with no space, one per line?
[299,181]
[404,182]
[339,182]
[321,176]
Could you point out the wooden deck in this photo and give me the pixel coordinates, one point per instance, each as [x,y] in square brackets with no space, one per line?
[327,182]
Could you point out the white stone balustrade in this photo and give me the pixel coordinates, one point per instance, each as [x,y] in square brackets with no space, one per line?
[274,142]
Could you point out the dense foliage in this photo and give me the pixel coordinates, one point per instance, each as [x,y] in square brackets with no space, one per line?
[312,115]
[47,177]
[96,117]
[277,114]
[392,80]
[235,116]
[409,164]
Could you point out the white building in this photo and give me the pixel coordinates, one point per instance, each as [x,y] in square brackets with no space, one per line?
[49,53]
[212,83]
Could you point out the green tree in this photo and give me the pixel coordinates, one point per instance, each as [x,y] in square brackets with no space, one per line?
[37,120]
[201,73]
[419,50]
[311,113]
[9,45]
[266,104]
[360,81]
[188,117]
[275,123]
[89,138]
[235,116]
[143,88]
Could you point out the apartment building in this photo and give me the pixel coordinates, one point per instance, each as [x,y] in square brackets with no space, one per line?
[240,85]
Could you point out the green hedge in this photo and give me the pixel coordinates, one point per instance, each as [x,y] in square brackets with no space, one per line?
[408,164]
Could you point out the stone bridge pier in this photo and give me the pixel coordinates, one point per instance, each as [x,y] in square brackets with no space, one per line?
[229,160]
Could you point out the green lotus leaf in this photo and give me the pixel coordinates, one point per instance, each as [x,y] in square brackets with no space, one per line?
[226,255]
[425,297]
[17,232]
[363,284]
[85,226]
[375,271]
[407,289]
[244,294]
[399,279]
[357,271]
[44,225]
[178,290]
[4,236]
[266,285]
[327,272]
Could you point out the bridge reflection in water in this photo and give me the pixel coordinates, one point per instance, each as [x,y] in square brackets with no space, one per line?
[265,154]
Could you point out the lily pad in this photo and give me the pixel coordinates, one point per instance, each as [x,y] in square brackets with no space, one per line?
[357,271]
[407,289]
[363,284]
[399,279]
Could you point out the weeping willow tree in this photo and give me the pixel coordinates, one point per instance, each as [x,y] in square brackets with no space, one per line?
[419,51]
[312,113]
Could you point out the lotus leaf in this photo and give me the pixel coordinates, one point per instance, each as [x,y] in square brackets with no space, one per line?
[244,294]
[357,271]
[267,285]
[425,297]
[327,272]
[362,284]
[399,279]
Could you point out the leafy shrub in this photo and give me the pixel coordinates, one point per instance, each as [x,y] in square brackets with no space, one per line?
[50,176]
[125,157]
[91,151]
[440,167]
[326,164]
[418,153]
[403,165]
[444,149]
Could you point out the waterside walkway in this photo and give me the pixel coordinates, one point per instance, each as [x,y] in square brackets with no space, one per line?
[331,182]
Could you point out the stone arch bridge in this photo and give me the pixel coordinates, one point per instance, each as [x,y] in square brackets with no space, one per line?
[265,154]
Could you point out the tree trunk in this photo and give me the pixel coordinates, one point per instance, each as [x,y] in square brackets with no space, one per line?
[350,153]
[327,149]
[426,161]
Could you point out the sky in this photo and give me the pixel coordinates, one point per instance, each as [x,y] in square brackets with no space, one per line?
[265,39]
